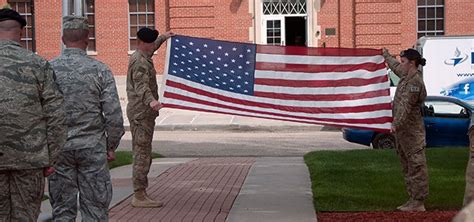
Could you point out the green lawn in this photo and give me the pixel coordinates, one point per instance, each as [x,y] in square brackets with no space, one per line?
[371,180]
[125,158]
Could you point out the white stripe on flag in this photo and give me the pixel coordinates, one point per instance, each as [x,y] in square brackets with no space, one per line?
[218,109]
[318,60]
[362,74]
[362,115]
[321,91]
[296,103]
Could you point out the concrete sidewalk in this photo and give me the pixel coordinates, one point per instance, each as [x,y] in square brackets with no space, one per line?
[250,189]
[217,189]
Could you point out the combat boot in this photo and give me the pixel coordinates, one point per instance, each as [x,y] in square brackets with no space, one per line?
[141,199]
[405,204]
[414,205]
[151,199]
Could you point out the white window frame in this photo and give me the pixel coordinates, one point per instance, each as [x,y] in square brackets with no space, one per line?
[76,7]
[264,18]
[436,19]
[282,28]
[147,13]
[283,5]
[30,25]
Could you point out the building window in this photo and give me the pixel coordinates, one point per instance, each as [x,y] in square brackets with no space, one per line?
[274,32]
[25,8]
[84,8]
[430,17]
[284,7]
[141,13]
[89,12]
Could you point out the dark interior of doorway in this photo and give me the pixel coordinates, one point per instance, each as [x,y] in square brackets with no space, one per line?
[295,31]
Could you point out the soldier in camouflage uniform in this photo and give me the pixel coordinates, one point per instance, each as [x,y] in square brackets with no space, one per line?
[32,123]
[95,126]
[408,126]
[469,192]
[467,213]
[142,109]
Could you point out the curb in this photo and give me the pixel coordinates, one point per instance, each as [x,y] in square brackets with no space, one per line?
[238,127]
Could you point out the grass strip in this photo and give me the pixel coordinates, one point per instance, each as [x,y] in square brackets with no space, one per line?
[372,180]
[125,158]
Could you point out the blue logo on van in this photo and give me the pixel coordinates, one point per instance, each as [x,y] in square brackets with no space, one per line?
[457,59]
[472,58]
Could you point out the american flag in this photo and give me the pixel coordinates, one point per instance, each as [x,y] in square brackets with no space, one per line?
[326,86]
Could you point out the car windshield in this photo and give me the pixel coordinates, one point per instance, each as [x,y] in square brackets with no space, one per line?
[470,103]
[444,107]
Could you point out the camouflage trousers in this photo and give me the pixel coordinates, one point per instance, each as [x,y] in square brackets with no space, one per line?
[469,192]
[21,193]
[84,172]
[142,136]
[411,151]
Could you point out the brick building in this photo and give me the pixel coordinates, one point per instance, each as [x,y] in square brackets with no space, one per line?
[395,24]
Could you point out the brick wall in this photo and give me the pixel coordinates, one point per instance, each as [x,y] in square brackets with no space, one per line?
[358,23]
[458,17]
[385,23]
[111,20]
[328,17]
[48,27]
[218,19]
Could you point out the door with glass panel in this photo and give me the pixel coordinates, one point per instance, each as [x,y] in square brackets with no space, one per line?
[274,30]
[284,22]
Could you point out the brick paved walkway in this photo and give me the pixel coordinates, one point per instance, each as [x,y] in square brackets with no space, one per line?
[200,190]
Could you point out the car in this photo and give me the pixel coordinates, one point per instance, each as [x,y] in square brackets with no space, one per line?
[446,123]
[394,79]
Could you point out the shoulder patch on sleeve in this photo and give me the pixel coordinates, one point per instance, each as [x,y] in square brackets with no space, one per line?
[414,89]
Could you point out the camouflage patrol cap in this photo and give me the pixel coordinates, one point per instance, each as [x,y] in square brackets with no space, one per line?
[9,14]
[75,22]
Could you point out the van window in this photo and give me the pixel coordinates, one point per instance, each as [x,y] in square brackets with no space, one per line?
[394,79]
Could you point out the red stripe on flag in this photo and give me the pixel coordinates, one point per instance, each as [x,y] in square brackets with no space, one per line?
[312,110]
[274,118]
[321,83]
[330,97]
[377,120]
[294,50]
[369,66]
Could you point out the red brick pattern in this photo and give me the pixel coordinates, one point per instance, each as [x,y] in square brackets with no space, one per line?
[111,20]
[458,17]
[48,27]
[358,23]
[201,190]
[385,23]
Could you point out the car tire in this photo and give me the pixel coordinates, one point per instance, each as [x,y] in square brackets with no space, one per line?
[384,141]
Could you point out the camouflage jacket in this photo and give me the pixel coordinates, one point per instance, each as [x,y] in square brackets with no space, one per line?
[471,123]
[409,98]
[141,84]
[91,101]
[32,119]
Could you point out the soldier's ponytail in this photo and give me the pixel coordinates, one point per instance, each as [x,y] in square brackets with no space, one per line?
[421,61]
